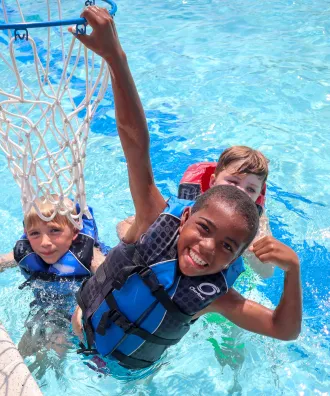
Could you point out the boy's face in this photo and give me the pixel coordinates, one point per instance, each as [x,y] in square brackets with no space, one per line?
[51,240]
[210,239]
[248,182]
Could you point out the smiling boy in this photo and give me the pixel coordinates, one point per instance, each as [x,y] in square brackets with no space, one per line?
[143,298]
[53,242]
[52,256]
[213,233]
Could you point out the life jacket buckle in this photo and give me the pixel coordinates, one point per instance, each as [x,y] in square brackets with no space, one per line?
[131,329]
[150,279]
[145,272]
[114,315]
[26,283]
[117,284]
[120,320]
[86,351]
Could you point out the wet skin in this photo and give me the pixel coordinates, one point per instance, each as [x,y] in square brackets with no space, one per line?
[210,239]
[51,240]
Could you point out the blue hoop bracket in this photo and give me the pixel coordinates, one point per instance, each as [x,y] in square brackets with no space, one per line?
[21,29]
[21,34]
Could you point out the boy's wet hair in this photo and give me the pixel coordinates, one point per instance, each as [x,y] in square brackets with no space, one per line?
[32,218]
[236,199]
[253,161]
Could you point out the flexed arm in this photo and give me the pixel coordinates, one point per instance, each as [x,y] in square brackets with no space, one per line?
[130,118]
[284,322]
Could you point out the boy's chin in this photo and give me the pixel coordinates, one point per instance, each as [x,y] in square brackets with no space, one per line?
[49,260]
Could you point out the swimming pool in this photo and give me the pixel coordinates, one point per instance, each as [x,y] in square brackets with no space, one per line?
[213,74]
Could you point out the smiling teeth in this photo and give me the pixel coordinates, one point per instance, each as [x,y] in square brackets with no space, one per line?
[196,259]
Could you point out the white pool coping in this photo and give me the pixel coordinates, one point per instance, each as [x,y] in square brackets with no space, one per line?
[15,377]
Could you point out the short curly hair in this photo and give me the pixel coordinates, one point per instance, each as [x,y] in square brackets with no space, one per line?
[234,198]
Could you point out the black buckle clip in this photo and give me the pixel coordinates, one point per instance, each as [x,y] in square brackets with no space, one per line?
[86,351]
[117,284]
[26,283]
[131,329]
[120,320]
[114,315]
[151,280]
[145,272]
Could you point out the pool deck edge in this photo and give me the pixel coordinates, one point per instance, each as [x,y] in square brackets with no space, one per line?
[15,377]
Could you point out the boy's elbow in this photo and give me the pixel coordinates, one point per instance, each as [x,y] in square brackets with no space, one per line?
[286,330]
[295,334]
[290,335]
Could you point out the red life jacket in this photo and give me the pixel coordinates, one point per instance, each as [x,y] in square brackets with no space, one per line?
[196,180]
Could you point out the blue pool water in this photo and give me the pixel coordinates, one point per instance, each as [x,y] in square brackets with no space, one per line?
[211,74]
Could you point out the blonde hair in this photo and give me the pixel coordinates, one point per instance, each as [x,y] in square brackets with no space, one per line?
[253,161]
[32,219]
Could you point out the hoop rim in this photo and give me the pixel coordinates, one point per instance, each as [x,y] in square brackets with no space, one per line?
[61,22]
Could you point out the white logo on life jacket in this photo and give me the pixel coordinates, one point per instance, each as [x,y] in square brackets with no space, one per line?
[204,288]
[214,289]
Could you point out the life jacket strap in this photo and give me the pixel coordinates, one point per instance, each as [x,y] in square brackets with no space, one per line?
[260,209]
[116,317]
[87,326]
[86,350]
[150,279]
[129,362]
[79,299]
[26,283]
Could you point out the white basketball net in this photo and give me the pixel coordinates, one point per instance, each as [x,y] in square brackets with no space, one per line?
[48,97]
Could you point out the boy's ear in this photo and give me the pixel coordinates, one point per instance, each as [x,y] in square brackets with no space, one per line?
[184,217]
[212,180]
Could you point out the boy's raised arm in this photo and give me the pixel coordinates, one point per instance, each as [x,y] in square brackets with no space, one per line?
[130,117]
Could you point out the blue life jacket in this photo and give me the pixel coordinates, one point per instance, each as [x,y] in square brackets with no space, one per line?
[75,264]
[138,303]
